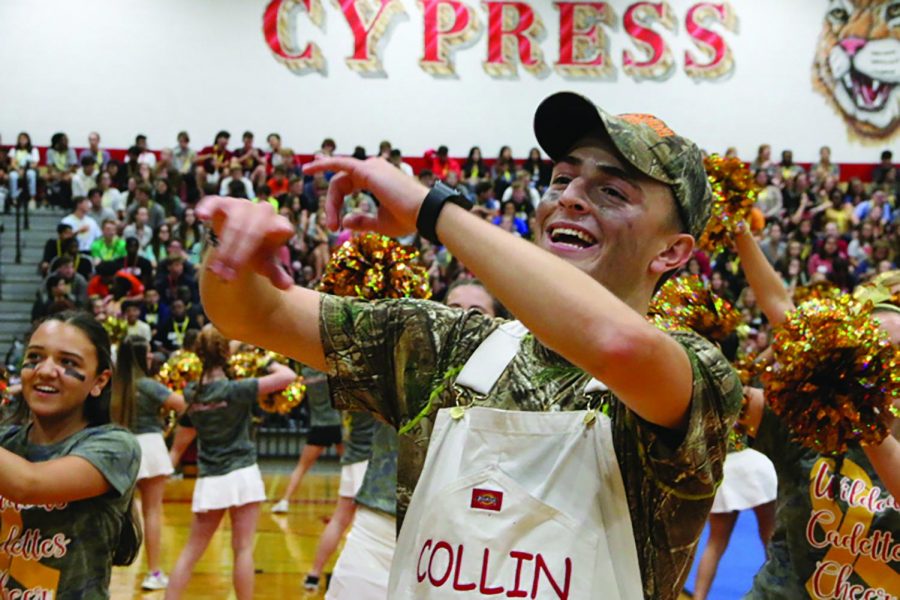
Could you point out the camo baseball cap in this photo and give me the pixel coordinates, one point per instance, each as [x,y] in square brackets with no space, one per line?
[645,142]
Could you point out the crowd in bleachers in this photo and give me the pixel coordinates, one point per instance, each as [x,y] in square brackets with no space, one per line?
[130,244]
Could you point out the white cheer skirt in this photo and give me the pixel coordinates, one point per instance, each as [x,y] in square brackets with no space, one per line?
[364,566]
[352,478]
[749,481]
[237,488]
[155,459]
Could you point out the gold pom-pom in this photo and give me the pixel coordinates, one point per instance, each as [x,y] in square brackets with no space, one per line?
[817,291]
[734,193]
[688,303]
[182,368]
[116,329]
[883,289]
[835,375]
[286,400]
[247,364]
[373,266]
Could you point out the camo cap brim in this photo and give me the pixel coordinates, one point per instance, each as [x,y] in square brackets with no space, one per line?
[643,140]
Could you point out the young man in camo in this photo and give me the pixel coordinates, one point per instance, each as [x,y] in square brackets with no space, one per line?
[576,449]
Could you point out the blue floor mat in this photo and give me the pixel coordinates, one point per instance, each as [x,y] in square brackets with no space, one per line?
[741,561]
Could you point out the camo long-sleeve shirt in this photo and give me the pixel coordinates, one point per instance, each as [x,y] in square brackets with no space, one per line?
[400,359]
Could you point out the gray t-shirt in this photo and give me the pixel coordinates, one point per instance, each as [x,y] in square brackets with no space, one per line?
[358,437]
[221,415]
[321,412]
[150,397]
[65,551]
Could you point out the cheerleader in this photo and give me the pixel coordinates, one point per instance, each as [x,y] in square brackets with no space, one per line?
[229,478]
[68,472]
[325,431]
[835,518]
[137,401]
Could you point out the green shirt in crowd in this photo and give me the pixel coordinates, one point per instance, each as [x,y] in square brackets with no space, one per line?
[321,412]
[151,395]
[221,413]
[103,251]
[379,487]
[65,551]
[400,358]
[358,432]
[835,536]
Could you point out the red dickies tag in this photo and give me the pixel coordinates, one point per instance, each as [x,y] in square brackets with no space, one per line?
[487,499]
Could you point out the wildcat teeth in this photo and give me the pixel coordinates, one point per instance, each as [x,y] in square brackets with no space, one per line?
[875,85]
[848,81]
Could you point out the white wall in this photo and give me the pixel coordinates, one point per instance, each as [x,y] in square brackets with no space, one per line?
[129,66]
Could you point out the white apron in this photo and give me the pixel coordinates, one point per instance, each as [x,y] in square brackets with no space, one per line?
[516,504]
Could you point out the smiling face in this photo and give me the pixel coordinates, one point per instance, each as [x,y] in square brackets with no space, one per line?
[60,371]
[611,222]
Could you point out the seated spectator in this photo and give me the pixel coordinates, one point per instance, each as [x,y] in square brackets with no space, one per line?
[503,172]
[840,212]
[85,178]
[189,231]
[145,155]
[236,175]
[396,159]
[167,200]
[829,262]
[109,246]
[140,229]
[155,213]
[475,169]
[279,183]
[538,169]
[110,197]
[856,191]
[266,195]
[86,228]
[763,161]
[53,248]
[192,307]
[156,250]
[485,204]
[824,169]
[878,200]
[101,157]
[521,192]
[134,263]
[132,311]
[426,178]
[441,164]
[250,159]
[80,260]
[24,161]
[789,169]
[881,170]
[110,282]
[77,284]
[508,220]
[56,297]
[769,199]
[170,334]
[211,162]
[97,211]
[61,164]
[882,255]
[183,157]
[773,244]
[860,247]
[173,275]
[152,311]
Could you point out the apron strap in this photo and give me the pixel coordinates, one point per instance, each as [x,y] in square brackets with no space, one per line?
[494,354]
[491,358]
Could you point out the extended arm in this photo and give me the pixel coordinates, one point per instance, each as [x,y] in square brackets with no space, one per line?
[65,479]
[771,294]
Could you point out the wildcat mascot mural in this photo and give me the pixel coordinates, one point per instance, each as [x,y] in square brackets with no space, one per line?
[857,66]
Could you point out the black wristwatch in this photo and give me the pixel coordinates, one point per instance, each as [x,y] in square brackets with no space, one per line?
[432,206]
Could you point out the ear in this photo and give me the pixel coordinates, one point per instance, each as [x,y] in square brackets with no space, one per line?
[100,383]
[674,254]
